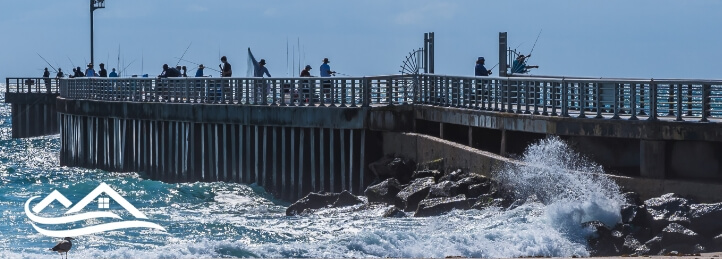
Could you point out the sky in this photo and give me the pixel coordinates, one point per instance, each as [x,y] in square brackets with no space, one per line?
[610,38]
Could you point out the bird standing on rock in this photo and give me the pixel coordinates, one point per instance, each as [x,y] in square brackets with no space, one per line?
[63,246]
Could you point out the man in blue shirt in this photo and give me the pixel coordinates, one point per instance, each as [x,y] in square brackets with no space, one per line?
[480,70]
[199,72]
[519,65]
[113,73]
[326,69]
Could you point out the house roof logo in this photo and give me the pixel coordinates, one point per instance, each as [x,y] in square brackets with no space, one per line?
[73,215]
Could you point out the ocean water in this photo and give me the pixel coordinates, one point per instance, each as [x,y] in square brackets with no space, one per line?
[204,220]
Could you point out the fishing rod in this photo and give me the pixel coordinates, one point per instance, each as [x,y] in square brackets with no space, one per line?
[123,71]
[197,64]
[46,61]
[537,39]
[184,54]
[492,68]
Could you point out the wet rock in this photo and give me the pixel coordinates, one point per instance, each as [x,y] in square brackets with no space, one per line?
[444,189]
[651,247]
[346,199]
[633,214]
[394,212]
[408,198]
[631,245]
[606,242]
[486,201]
[706,219]
[632,198]
[472,179]
[385,191]
[477,190]
[716,244]
[676,237]
[393,167]
[312,201]
[454,176]
[441,205]
[427,173]
[669,208]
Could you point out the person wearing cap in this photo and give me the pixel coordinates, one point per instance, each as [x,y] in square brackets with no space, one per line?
[90,72]
[306,71]
[261,69]
[519,65]
[102,72]
[480,70]
[199,72]
[325,70]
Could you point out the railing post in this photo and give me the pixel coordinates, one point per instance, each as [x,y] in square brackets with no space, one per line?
[633,101]
[582,100]
[706,88]
[679,103]
[616,104]
[653,98]
[598,101]
[366,100]
[564,100]
[544,98]
[641,100]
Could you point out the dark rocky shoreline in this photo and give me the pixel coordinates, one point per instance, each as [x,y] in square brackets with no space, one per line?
[669,224]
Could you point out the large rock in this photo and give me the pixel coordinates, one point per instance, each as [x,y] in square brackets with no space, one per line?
[669,208]
[631,245]
[427,173]
[444,189]
[346,198]
[441,205]
[635,215]
[706,219]
[393,167]
[676,237]
[312,201]
[485,201]
[606,242]
[454,176]
[394,212]
[385,191]
[632,198]
[472,179]
[408,198]
[716,244]
[478,190]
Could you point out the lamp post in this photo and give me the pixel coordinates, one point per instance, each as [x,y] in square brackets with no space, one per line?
[94,4]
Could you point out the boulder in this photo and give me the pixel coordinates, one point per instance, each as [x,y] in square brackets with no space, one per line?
[706,219]
[394,212]
[633,214]
[477,190]
[346,199]
[716,244]
[441,205]
[444,189]
[472,179]
[408,198]
[632,198]
[312,201]
[485,201]
[631,245]
[676,237]
[427,173]
[454,176]
[669,208]
[385,191]
[651,247]
[393,167]
[606,242]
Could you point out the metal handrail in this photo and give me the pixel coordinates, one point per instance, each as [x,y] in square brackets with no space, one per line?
[678,99]
[32,85]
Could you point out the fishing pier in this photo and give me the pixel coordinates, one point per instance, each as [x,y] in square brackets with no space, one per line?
[298,135]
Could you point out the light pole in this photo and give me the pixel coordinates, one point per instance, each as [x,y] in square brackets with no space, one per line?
[94,4]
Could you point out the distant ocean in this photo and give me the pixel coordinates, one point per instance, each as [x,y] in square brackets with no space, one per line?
[238,220]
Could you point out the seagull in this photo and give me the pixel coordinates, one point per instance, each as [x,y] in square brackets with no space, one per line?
[63,246]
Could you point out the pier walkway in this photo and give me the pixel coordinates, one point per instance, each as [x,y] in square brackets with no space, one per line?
[297,135]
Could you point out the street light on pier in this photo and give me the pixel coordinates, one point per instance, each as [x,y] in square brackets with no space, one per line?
[94,4]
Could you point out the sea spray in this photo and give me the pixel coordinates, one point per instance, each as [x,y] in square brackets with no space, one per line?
[573,189]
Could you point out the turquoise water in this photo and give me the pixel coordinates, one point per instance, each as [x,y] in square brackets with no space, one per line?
[238,220]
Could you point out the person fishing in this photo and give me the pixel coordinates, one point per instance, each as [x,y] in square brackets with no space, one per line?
[103,72]
[78,72]
[46,75]
[325,71]
[480,70]
[519,65]
[90,72]
[199,71]
[60,73]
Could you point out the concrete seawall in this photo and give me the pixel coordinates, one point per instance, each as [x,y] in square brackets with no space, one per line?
[427,148]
